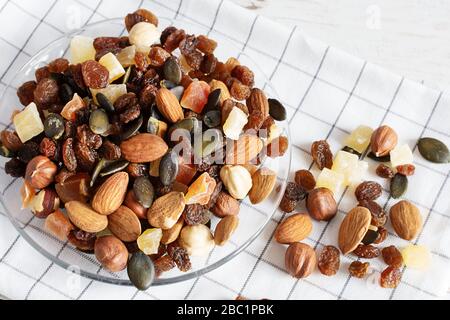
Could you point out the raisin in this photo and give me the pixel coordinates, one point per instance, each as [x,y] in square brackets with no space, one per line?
[142,61]
[11,140]
[215,195]
[239,91]
[69,159]
[59,65]
[384,171]
[244,75]
[95,75]
[382,235]
[77,75]
[208,64]
[173,39]
[390,277]
[46,92]
[255,121]
[70,129]
[42,73]
[47,148]
[28,151]
[110,151]
[305,179]
[278,147]
[140,15]
[329,261]
[195,214]
[161,189]
[82,240]
[151,77]
[166,33]
[321,153]
[180,256]
[26,92]
[358,269]
[125,101]
[194,60]
[163,264]
[86,157]
[103,43]
[147,95]
[406,169]
[379,216]
[87,137]
[158,56]
[392,256]
[130,114]
[188,45]
[136,170]
[291,197]
[366,251]
[63,175]
[15,168]
[205,44]
[368,190]
[267,124]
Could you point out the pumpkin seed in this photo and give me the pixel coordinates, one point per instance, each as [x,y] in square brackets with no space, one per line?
[54,126]
[178,92]
[132,128]
[433,150]
[98,168]
[116,166]
[385,158]
[213,100]
[126,76]
[172,70]
[141,270]
[277,110]
[212,118]
[152,125]
[65,93]
[98,121]
[104,102]
[190,124]
[168,168]
[399,185]
[144,191]
[167,84]
[5,152]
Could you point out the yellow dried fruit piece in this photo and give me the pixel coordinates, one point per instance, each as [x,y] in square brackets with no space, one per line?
[148,241]
[110,62]
[126,56]
[234,124]
[359,139]
[81,49]
[331,180]
[359,173]
[28,123]
[416,257]
[112,92]
[401,155]
[345,163]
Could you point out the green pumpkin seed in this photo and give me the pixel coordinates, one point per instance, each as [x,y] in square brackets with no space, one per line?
[102,164]
[132,128]
[98,121]
[168,168]
[172,70]
[144,191]
[54,126]
[5,152]
[385,158]
[213,100]
[277,110]
[399,185]
[141,270]
[116,166]
[167,84]
[104,102]
[152,125]
[212,118]
[434,150]
[189,124]
[178,92]
[126,76]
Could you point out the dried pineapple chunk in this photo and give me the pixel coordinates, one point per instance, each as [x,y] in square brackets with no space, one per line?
[126,56]
[234,124]
[331,180]
[81,49]
[28,123]
[112,92]
[416,257]
[148,241]
[401,155]
[359,139]
[345,163]
[359,174]
[110,62]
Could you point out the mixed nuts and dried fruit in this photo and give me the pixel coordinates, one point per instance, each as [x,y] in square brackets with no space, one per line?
[129,149]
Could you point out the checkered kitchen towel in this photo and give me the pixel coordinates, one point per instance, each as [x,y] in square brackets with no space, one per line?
[327,93]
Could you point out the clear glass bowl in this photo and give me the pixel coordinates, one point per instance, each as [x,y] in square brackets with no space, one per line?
[252,218]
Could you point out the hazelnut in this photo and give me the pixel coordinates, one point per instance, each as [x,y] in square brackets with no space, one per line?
[300,260]
[111,253]
[321,204]
[131,202]
[225,205]
[40,172]
[44,203]
[144,34]
[237,180]
[27,194]
[383,140]
[197,240]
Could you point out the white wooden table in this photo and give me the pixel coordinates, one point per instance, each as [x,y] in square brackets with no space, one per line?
[408,37]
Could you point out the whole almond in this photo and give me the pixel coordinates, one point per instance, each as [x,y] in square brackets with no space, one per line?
[170,235]
[293,229]
[300,260]
[353,229]
[111,194]
[383,140]
[263,183]
[245,149]
[84,217]
[224,229]
[143,147]
[166,210]
[225,205]
[124,224]
[258,102]
[406,219]
[168,105]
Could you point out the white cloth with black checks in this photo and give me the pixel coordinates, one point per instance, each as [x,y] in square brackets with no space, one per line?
[327,93]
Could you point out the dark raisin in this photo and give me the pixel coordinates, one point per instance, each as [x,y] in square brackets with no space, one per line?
[140,15]
[28,151]
[95,75]
[42,73]
[70,129]
[130,114]
[384,171]
[180,256]
[188,45]
[15,168]
[11,140]
[68,153]
[161,189]
[77,75]
[368,190]
[239,91]
[379,216]
[244,75]
[321,153]
[392,256]
[358,269]
[59,65]
[47,148]
[382,235]
[366,251]
[390,277]
[208,64]
[163,264]
[110,151]
[82,240]
[194,60]
[125,101]
[142,61]
[26,92]
[288,205]
[158,56]
[102,43]
[166,33]
[329,260]
[86,157]
[151,77]
[206,45]
[46,93]
[87,137]
[196,214]
[173,39]
[305,179]
[136,170]
[147,96]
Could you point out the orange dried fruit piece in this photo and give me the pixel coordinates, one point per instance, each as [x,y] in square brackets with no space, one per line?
[186,173]
[69,111]
[196,96]
[200,190]
[58,225]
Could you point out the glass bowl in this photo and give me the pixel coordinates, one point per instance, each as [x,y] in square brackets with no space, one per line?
[253,218]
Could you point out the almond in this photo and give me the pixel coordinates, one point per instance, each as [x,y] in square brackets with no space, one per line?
[144,147]
[224,229]
[124,224]
[353,229]
[168,105]
[166,210]
[406,219]
[245,149]
[263,183]
[85,218]
[225,205]
[170,235]
[293,229]
[258,102]
[109,197]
